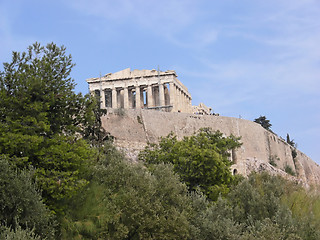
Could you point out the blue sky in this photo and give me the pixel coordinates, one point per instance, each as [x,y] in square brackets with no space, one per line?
[243,58]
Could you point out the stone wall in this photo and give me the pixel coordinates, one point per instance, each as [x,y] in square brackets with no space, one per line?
[132,130]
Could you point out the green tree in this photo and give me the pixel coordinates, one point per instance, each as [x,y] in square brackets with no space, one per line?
[264,122]
[127,201]
[213,220]
[42,120]
[263,205]
[21,204]
[257,198]
[291,141]
[201,160]
[305,207]
[93,130]
[36,91]
[252,210]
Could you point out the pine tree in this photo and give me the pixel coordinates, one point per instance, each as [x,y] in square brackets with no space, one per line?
[43,121]
[264,122]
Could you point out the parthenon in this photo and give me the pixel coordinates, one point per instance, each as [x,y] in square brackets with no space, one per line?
[148,89]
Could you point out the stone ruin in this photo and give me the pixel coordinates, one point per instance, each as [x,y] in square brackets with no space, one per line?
[202,109]
[140,91]
[144,89]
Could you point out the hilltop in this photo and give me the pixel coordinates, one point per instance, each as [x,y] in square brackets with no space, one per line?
[261,149]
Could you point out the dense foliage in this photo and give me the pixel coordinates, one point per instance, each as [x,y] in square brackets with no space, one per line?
[201,160]
[126,201]
[8,233]
[61,179]
[20,201]
[42,120]
[260,207]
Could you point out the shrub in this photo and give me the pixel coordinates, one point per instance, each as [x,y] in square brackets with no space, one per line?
[272,160]
[139,119]
[294,153]
[7,233]
[21,203]
[288,169]
[126,201]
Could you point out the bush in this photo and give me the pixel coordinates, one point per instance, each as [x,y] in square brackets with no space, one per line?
[272,160]
[7,233]
[288,169]
[305,207]
[126,201]
[294,154]
[213,220]
[20,202]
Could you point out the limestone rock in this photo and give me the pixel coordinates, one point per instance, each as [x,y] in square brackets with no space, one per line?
[133,129]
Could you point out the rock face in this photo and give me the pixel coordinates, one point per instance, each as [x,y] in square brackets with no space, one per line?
[133,129]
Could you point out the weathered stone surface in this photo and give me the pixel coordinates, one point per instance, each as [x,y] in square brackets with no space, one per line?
[132,130]
[201,109]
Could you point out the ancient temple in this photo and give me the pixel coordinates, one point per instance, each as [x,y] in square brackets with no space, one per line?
[148,89]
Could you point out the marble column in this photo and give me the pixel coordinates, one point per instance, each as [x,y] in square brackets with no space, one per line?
[138,97]
[150,96]
[184,102]
[102,99]
[126,98]
[166,96]
[179,99]
[155,93]
[172,96]
[130,98]
[114,98]
[161,95]
[189,105]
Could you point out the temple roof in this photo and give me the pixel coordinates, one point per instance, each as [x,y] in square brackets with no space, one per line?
[128,74]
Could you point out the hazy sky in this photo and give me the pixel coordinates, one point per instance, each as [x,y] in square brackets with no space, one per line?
[243,58]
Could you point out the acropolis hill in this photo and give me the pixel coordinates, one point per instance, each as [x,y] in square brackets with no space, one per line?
[144,105]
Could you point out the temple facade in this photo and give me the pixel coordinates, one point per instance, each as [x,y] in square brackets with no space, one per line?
[148,89]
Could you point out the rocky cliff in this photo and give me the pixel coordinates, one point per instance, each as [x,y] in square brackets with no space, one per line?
[132,130]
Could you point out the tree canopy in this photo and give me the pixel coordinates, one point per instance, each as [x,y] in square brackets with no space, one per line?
[21,203]
[264,122]
[127,201]
[291,142]
[201,160]
[42,120]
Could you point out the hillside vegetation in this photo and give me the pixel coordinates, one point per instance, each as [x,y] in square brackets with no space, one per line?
[62,178]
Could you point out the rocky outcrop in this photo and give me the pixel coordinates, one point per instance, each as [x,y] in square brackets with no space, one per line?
[133,129]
